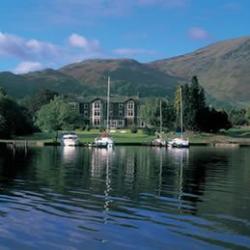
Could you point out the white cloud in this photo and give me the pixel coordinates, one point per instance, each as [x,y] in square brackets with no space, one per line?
[18,47]
[130,52]
[52,55]
[27,66]
[78,41]
[198,33]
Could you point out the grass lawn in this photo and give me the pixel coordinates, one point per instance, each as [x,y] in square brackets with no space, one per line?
[125,136]
[120,136]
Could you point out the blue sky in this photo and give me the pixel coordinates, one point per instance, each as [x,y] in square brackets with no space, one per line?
[37,34]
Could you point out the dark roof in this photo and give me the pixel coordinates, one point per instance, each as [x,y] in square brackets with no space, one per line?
[113,99]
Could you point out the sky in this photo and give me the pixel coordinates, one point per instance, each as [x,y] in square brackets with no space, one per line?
[38,34]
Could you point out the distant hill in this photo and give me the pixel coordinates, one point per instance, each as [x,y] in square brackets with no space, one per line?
[128,77]
[23,85]
[222,68]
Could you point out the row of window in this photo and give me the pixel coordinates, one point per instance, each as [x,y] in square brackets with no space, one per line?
[113,123]
[97,113]
[98,104]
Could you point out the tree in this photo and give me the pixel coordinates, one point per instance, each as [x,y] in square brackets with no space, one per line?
[150,113]
[3,91]
[211,120]
[14,119]
[196,115]
[238,117]
[57,115]
[248,115]
[35,102]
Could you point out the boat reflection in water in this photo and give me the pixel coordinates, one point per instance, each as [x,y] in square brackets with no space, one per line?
[181,156]
[101,162]
[69,154]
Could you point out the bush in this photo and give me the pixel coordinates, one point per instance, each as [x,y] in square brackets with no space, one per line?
[101,130]
[133,129]
[149,131]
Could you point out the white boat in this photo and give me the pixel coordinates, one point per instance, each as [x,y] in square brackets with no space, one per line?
[105,140]
[179,142]
[70,139]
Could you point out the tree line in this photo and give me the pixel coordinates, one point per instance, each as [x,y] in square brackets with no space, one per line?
[197,114]
[47,110]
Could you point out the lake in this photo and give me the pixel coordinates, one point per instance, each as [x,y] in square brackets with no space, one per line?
[126,198]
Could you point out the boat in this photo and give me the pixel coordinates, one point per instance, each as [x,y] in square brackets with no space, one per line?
[105,141]
[70,139]
[179,142]
[160,141]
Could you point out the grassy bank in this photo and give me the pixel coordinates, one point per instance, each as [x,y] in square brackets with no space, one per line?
[235,135]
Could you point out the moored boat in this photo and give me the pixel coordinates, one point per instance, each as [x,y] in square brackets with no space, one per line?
[69,139]
[179,142]
[105,141]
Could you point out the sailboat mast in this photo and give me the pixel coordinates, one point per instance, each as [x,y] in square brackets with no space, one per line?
[181,112]
[108,101]
[160,117]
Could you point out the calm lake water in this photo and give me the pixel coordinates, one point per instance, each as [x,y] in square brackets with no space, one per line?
[127,198]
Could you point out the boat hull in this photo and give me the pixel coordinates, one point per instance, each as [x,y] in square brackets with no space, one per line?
[104,142]
[70,139]
[178,143]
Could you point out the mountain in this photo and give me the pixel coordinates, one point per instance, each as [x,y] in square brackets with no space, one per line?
[23,85]
[89,77]
[223,68]
[128,76]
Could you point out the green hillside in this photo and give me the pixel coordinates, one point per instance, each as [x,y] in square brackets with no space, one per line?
[129,77]
[222,68]
[23,85]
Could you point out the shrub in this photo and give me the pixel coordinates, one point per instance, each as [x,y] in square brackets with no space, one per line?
[133,129]
[149,131]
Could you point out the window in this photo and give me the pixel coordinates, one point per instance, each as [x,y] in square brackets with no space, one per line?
[130,113]
[130,109]
[130,105]
[120,113]
[97,104]
[113,124]
[86,106]
[96,109]
[120,105]
[97,112]
[86,113]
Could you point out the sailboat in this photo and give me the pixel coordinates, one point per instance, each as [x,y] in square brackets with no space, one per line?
[160,141]
[180,142]
[105,141]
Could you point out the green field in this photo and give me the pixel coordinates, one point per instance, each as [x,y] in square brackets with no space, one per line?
[235,135]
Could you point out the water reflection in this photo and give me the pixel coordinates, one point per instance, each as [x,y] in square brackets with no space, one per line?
[137,197]
[69,154]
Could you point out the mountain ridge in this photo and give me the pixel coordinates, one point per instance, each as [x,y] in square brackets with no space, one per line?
[222,69]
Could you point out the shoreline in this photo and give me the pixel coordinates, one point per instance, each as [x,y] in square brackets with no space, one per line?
[39,143]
